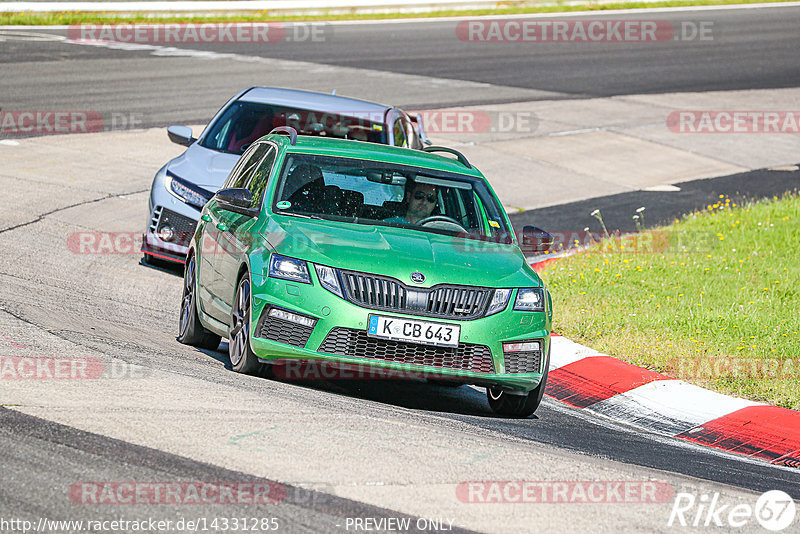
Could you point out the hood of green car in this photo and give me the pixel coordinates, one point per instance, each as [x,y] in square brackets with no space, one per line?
[398,252]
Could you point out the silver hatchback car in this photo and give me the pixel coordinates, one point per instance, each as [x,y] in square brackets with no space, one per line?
[182,187]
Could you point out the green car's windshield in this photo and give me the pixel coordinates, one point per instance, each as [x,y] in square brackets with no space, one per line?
[369,192]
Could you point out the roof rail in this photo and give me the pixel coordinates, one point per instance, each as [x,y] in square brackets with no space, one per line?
[456,153]
[286,130]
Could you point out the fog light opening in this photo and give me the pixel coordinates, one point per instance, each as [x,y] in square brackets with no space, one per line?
[292,317]
[527,346]
[166,233]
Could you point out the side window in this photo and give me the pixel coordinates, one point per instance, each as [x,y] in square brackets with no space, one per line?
[240,176]
[399,130]
[260,178]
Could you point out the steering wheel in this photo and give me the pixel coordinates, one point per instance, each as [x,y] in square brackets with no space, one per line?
[440,218]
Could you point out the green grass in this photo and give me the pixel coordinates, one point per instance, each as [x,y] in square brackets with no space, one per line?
[75,17]
[713,299]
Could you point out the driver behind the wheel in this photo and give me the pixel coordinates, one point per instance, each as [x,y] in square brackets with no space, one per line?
[420,201]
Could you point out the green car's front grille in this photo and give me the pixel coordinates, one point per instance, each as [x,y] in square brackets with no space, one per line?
[444,301]
[356,343]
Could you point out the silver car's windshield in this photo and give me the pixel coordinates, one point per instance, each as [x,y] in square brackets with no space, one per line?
[242,123]
[369,192]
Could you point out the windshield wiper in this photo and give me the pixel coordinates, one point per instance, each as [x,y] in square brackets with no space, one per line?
[303,216]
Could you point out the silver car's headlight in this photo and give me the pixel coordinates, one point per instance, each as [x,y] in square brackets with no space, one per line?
[187,192]
[499,301]
[287,268]
[329,279]
[530,299]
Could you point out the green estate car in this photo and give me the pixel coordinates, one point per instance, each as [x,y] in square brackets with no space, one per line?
[356,255]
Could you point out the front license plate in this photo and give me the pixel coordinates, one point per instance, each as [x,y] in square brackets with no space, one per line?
[427,333]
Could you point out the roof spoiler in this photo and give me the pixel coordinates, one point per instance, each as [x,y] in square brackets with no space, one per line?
[286,130]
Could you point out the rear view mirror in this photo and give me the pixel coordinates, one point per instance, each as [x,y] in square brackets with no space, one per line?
[535,240]
[380,177]
[181,135]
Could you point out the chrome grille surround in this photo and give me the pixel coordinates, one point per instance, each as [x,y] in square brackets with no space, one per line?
[445,301]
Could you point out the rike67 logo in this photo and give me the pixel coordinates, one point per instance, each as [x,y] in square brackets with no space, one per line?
[774,510]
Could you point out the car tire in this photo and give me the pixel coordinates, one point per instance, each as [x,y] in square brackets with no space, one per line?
[503,403]
[243,359]
[190,330]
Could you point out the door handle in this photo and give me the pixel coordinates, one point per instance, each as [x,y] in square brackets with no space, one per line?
[222,226]
[206,217]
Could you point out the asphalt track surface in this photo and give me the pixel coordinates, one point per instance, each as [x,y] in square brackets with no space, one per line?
[748,49]
[755,49]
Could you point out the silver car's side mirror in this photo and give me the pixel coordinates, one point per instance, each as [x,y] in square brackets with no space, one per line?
[181,135]
[421,130]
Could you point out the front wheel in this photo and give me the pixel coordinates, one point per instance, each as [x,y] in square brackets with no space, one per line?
[243,359]
[503,403]
[191,331]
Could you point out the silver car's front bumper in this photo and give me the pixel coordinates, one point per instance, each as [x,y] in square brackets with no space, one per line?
[170,223]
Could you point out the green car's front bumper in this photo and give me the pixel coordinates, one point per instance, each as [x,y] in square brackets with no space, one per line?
[330,312]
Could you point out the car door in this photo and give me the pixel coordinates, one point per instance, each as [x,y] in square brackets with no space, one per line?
[236,229]
[215,222]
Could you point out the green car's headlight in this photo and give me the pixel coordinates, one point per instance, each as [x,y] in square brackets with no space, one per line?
[287,268]
[329,279]
[530,299]
[499,301]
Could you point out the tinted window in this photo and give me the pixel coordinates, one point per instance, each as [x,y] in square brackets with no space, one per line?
[243,123]
[260,178]
[243,171]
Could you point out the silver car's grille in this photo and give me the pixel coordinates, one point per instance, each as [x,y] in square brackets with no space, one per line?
[444,301]
[182,227]
[156,217]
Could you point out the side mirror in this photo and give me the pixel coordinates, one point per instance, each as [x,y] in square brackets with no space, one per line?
[181,135]
[535,240]
[237,200]
[420,127]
